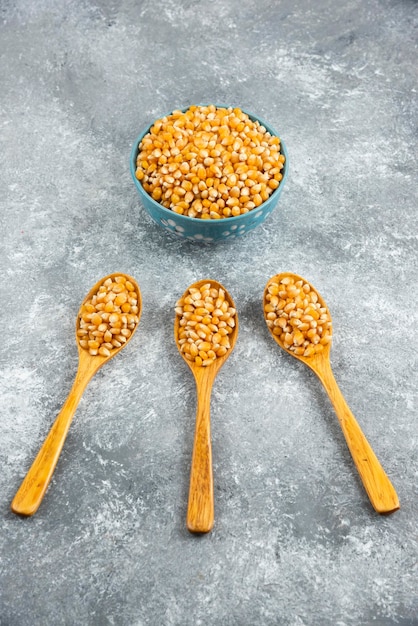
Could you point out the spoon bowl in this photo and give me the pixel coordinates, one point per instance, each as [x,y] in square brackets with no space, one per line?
[33,488]
[379,489]
[200,510]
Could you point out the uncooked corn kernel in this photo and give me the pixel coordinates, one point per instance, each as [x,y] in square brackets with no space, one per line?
[293,313]
[206,321]
[108,318]
[209,162]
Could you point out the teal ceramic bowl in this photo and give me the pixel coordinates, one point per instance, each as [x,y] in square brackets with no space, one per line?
[208,231]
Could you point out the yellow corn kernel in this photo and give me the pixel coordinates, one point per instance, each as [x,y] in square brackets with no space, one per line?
[298,338]
[157,193]
[96,319]
[309,351]
[177,209]
[120,299]
[269,308]
[114,319]
[257,199]
[312,312]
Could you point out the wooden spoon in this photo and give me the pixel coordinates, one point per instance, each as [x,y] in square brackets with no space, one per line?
[32,490]
[376,483]
[200,511]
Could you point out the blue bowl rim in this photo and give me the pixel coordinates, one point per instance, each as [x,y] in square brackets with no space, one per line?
[194,220]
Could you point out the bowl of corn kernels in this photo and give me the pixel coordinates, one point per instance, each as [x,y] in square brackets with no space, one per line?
[209,173]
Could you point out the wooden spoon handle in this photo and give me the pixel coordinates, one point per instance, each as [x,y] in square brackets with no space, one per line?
[380,490]
[200,511]
[32,490]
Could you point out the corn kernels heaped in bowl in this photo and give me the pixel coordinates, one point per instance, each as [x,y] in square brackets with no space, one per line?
[209,162]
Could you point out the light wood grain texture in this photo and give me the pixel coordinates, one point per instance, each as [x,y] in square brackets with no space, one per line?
[33,488]
[378,487]
[201,509]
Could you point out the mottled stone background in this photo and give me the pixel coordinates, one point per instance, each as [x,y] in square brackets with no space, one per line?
[296,541]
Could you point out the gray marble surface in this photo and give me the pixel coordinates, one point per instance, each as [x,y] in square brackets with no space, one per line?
[296,541]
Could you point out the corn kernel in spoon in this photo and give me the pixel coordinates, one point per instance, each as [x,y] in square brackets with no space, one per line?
[108,318]
[207,320]
[294,314]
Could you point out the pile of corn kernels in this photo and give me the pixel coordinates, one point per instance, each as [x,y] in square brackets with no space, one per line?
[206,322]
[293,313]
[209,163]
[108,318]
